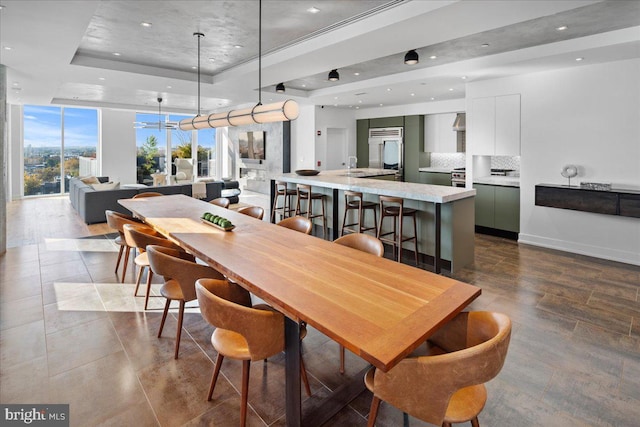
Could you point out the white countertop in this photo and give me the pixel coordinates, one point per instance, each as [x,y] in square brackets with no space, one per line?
[338,179]
[505,181]
[436,170]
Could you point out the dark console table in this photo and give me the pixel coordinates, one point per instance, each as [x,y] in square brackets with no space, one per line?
[612,202]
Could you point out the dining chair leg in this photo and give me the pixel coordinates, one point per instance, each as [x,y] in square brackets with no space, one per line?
[146,297]
[446,424]
[126,263]
[474,422]
[138,279]
[373,412]
[179,331]
[164,316]
[303,375]
[341,359]
[214,378]
[246,366]
[119,258]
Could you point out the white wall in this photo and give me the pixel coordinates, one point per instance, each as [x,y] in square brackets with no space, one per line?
[433,107]
[336,118]
[587,116]
[118,145]
[303,139]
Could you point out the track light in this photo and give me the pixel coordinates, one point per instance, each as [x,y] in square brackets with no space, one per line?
[280,88]
[411,57]
[334,76]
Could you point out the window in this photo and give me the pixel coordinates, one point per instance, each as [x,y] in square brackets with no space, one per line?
[207,153]
[151,146]
[59,143]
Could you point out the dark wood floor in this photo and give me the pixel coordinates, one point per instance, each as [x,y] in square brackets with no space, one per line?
[70,333]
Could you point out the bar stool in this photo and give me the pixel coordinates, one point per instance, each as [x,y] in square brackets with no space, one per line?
[394,207]
[304,193]
[286,209]
[353,200]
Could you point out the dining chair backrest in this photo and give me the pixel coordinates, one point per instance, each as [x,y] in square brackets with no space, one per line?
[223,202]
[180,266]
[140,237]
[297,223]
[117,220]
[362,242]
[254,211]
[263,329]
[147,194]
[476,345]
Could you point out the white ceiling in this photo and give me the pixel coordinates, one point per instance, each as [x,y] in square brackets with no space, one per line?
[62,52]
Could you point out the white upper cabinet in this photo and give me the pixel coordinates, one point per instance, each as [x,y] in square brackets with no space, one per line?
[494,125]
[439,136]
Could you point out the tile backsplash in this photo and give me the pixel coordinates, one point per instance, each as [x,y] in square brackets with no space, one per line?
[448,160]
[505,162]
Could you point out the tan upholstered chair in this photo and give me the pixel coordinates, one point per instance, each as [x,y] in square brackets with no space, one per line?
[254,211]
[147,194]
[180,272]
[223,202]
[364,243]
[117,220]
[448,385]
[140,237]
[242,332]
[297,223]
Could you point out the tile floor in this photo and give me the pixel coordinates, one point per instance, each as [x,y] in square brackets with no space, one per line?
[71,333]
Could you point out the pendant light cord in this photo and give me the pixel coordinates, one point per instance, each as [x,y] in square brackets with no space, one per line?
[259,52]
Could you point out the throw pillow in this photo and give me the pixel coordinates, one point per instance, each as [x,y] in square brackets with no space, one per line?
[89,180]
[106,186]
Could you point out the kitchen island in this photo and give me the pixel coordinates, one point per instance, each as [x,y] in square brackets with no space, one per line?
[446,215]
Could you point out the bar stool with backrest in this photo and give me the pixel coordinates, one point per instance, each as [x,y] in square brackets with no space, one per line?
[242,332]
[353,200]
[116,221]
[180,272]
[287,208]
[365,243]
[140,237]
[447,385]
[394,207]
[305,194]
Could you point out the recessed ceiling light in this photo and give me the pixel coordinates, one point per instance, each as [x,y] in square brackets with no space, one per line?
[562,28]
[450,89]
[433,98]
[579,59]
[335,97]
[357,108]
[16,83]
[413,94]
[464,77]
[381,104]
[101,78]
[146,24]
[7,48]
[212,59]
[484,45]
[388,89]
[335,105]
[168,87]
[304,85]
[356,74]
[313,9]
[116,54]
[2,6]
[238,46]
[432,57]
[360,101]
[194,68]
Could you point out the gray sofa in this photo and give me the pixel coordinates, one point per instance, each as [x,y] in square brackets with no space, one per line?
[91,204]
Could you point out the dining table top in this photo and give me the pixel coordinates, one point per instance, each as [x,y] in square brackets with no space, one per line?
[379,309]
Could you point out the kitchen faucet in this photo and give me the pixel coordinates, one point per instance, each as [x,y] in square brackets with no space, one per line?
[352,162]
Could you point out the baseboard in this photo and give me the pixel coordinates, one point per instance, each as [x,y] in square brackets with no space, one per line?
[582,249]
[495,232]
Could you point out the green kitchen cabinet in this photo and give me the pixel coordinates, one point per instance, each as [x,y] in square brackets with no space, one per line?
[498,207]
[362,142]
[435,178]
[386,122]
[413,143]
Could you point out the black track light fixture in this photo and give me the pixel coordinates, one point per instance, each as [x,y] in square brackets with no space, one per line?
[334,76]
[411,57]
[280,88]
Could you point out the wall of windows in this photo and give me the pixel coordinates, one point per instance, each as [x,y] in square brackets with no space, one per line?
[57,140]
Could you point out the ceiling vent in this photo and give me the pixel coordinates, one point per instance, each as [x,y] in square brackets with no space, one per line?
[385,133]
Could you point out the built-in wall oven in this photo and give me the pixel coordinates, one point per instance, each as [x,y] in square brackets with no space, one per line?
[386,150]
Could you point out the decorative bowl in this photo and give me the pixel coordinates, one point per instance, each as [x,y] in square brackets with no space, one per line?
[307,172]
[204,221]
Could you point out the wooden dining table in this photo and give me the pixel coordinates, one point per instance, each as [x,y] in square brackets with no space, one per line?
[379,309]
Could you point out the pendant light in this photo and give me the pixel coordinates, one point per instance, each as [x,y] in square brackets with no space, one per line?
[280,88]
[277,112]
[199,35]
[334,76]
[411,57]
[160,124]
